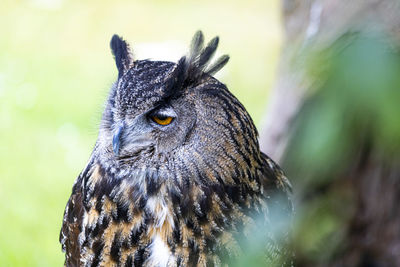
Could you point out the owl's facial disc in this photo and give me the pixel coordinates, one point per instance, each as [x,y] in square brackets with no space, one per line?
[133,135]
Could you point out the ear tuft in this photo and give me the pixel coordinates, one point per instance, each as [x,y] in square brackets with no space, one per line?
[122,54]
[190,69]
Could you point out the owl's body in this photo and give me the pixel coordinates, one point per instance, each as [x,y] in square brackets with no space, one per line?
[176,177]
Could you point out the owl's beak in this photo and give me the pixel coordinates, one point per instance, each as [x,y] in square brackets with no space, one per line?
[117,139]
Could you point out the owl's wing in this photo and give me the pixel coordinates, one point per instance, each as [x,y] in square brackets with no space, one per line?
[277,184]
[280,209]
[72,222]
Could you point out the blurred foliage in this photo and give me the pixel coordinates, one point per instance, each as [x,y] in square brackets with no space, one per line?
[55,71]
[275,228]
[352,110]
[356,94]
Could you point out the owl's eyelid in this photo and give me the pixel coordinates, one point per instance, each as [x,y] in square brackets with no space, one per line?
[162,115]
[163,112]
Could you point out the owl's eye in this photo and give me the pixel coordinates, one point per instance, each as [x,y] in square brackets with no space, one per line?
[162,120]
[163,115]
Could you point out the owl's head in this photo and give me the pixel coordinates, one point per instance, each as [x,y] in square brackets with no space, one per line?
[158,111]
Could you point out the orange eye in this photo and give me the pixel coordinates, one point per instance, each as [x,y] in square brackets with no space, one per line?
[162,120]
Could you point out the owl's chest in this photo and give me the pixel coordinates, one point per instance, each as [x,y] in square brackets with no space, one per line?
[156,235]
[128,227]
[122,234]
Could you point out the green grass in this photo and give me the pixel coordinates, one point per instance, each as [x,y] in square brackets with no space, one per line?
[55,71]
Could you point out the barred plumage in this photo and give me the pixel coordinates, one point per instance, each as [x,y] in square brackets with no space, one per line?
[179,194]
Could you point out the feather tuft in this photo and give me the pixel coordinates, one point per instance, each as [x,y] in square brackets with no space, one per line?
[190,69]
[122,54]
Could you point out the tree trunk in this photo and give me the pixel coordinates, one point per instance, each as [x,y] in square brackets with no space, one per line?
[332,123]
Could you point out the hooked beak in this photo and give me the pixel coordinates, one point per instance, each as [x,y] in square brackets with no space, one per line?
[117,139]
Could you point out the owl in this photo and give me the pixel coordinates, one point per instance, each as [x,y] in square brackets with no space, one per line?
[176,177]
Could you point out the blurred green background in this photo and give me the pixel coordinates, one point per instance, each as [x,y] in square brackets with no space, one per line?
[55,71]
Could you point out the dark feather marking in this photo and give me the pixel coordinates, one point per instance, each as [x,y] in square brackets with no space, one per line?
[194,252]
[205,205]
[122,212]
[142,202]
[97,247]
[197,230]
[179,261]
[175,196]
[116,247]
[85,177]
[106,221]
[139,257]
[171,244]
[129,261]
[233,192]
[96,230]
[126,243]
[236,176]
[186,205]
[153,183]
[136,233]
[176,233]
[105,187]
[98,205]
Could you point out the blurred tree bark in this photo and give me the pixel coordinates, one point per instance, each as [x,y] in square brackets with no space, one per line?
[347,178]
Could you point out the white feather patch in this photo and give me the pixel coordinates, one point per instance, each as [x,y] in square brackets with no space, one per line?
[160,254]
